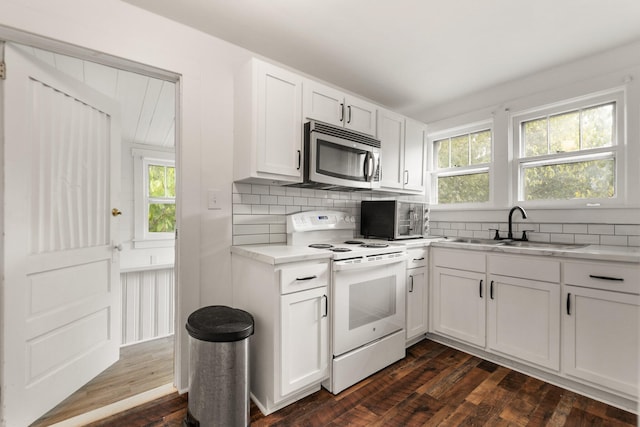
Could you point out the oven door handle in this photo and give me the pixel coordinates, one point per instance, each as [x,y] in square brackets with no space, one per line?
[348,265]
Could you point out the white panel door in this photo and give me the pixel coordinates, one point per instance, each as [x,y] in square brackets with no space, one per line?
[61,301]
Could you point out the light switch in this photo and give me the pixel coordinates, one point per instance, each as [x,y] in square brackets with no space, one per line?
[213,199]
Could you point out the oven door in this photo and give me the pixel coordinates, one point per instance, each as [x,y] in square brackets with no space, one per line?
[368,300]
[339,162]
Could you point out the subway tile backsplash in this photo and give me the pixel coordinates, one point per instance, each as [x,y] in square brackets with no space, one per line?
[594,234]
[259,213]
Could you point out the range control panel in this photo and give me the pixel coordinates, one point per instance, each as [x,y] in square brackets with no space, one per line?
[320,220]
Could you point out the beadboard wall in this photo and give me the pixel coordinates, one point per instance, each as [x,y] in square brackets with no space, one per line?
[259,213]
[148,304]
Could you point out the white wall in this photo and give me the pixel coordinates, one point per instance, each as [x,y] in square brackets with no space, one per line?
[618,67]
[204,152]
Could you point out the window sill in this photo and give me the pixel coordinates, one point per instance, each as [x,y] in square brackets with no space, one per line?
[153,243]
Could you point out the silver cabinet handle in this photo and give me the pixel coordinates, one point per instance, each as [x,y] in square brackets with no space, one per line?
[411,284]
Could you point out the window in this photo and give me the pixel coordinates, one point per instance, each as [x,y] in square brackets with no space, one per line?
[569,153]
[461,166]
[154,198]
[160,200]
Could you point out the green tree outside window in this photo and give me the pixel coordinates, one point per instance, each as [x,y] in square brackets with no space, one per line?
[162,198]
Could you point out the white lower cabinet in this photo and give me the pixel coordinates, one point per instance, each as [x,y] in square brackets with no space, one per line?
[600,326]
[458,295]
[459,305]
[574,322]
[304,339]
[289,351]
[523,315]
[523,320]
[417,291]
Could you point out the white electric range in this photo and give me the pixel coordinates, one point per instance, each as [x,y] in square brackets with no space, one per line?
[367,294]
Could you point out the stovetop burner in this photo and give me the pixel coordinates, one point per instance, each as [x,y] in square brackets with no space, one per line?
[340,250]
[374,245]
[321,246]
[353,242]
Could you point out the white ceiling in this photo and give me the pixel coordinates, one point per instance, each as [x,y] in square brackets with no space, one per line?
[412,55]
[147,105]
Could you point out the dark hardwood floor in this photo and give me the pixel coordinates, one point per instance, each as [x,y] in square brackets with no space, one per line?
[433,386]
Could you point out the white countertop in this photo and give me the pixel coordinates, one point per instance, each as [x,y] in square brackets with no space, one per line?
[280,254]
[595,252]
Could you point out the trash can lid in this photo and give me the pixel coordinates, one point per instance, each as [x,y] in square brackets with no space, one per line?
[219,323]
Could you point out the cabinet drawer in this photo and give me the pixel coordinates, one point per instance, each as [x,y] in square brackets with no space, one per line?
[610,276]
[526,267]
[300,277]
[417,258]
[460,260]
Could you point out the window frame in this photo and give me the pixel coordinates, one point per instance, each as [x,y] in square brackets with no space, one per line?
[435,173]
[142,159]
[617,150]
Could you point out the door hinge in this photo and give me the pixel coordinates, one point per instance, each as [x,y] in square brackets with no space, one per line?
[3,68]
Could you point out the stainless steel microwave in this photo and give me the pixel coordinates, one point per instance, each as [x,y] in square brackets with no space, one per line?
[393,219]
[336,158]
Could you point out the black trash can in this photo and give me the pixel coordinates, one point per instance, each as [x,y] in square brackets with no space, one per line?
[218,367]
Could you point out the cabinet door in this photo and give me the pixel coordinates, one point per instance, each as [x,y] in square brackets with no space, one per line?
[323,103]
[391,136]
[523,320]
[279,121]
[360,115]
[459,304]
[414,156]
[304,339]
[416,302]
[600,338]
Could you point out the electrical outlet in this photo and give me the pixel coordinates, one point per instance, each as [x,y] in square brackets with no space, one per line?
[213,199]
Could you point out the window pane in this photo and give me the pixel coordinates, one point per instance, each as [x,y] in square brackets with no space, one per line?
[564,132]
[597,127]
[171,182]
[460,151]
[535,137]
[582,180]
[464,188]
[162,217]
[442,148]
[156,181]
[480,147]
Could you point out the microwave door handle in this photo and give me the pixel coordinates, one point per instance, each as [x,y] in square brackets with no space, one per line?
[370,166]
[365,168]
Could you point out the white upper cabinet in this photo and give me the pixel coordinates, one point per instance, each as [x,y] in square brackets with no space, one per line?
[268,123]
[391,136]
[332,106]
[403,152]
[414,155]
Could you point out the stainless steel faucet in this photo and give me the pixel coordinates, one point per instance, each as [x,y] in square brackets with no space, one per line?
[524,216]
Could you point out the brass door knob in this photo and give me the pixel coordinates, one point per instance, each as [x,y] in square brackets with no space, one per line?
[115,212]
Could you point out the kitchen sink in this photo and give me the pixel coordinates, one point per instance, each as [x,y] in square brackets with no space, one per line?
[541,245]
[475,241]
[516,243]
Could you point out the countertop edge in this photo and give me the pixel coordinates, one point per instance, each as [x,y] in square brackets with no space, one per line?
[594,252]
